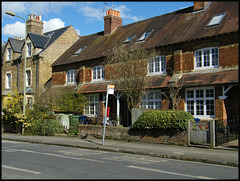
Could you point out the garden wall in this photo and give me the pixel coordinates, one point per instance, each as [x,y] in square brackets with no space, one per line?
[127,134]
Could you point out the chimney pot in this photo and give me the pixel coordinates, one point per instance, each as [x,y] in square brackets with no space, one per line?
[111,22]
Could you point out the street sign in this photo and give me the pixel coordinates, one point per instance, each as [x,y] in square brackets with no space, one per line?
[110,89]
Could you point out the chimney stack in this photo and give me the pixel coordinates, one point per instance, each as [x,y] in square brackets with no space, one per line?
[111,21]
[35,24]
[199,5]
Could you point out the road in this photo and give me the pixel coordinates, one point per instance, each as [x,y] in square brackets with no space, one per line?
[38,161]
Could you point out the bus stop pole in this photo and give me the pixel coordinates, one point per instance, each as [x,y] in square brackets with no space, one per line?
[105,118]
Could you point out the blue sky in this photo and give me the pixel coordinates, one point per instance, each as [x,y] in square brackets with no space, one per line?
[86,17]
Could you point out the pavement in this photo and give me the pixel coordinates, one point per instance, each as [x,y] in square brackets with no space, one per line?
[224,155]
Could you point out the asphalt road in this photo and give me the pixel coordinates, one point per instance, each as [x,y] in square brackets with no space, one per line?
[37,161]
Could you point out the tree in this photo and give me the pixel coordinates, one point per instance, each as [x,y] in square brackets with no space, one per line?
[12,109]
[173,91]
[65,100]
[127,67]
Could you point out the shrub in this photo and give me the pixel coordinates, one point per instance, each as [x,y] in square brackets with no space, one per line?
[45,127]
[74,126]
[163,119]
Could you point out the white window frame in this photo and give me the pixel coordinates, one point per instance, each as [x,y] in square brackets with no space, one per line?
[129,38]
[9,54]
[28,78]
[30,102]
[29,49]
[8,80]
[157,65]
[152,100]
[98,73]
[216,19]
[79,50]
[91,108]
[145,35]
[202,61]
[71,76]
[193,102]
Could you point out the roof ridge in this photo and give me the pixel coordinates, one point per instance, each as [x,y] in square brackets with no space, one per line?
[57,29]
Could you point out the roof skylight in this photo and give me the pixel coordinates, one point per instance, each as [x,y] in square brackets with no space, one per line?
[144,35]
[50,34]
[216,20]
[79,50]
[128,39]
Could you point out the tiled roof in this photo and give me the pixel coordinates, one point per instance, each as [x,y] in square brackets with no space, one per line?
[175,27]
[16,44]
[55,34]
[215,78]
[152,82]
[39,41]
[43,41]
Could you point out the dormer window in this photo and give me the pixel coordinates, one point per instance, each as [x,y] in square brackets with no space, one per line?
[128,39]
[145,35]
[216,20]
[50,34]
[79,50]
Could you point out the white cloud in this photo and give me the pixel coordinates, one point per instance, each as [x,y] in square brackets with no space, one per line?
[26,8]
[78,31]
[16,29]
[16,7]
[53,24]
[91,12]
[124,13]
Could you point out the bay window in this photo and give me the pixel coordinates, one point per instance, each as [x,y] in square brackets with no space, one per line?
[152,100]
[200,102]
[91,107]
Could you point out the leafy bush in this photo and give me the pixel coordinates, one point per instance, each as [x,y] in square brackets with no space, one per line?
[74,126]
[39,123]
[163,119]
[47,126]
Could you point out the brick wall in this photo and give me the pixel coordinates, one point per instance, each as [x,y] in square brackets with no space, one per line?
[127,134]
[59,78]
[229,55]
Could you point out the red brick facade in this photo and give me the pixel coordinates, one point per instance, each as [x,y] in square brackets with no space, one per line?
[59,78]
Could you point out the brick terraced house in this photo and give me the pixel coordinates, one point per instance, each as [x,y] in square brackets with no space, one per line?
[199,51]
[42,50]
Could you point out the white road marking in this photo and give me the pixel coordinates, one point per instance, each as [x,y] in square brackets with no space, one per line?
[136,159]
[20,169]
[172,173]
[62,156]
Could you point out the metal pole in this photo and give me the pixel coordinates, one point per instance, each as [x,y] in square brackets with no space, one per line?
[24,76]
[24,73]
[105,117]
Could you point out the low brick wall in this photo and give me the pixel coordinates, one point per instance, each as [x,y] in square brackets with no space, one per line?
[127,134]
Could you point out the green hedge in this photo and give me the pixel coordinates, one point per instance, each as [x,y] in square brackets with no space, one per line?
[45,127]
[163,119]
[74,125]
